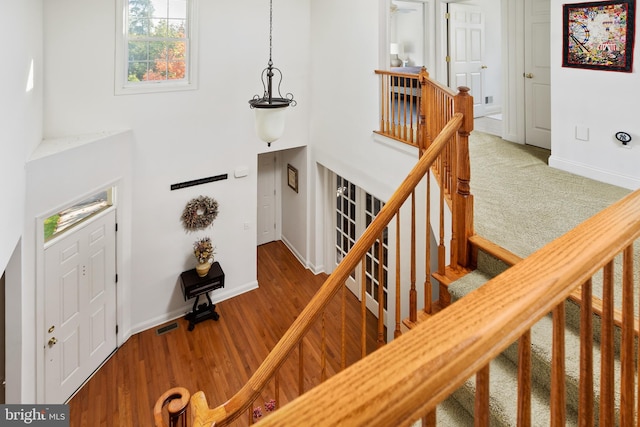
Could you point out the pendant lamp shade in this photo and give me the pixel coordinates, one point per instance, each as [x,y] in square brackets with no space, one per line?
[270,123]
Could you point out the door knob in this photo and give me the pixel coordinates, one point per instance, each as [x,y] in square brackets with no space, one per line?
[484,67]
[528,75]
[52,341]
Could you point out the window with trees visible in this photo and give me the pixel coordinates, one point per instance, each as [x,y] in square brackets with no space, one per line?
[156,50]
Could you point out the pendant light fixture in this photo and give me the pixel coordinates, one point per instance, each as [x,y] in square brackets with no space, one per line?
[271,109]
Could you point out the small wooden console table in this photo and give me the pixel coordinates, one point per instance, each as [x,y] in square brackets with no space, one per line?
[194,286]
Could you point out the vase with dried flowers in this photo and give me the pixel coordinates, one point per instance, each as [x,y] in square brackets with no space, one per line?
[203,250]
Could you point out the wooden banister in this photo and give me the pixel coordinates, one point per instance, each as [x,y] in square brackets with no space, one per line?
[596,304]
[176,401]
[406,379]
[242,400]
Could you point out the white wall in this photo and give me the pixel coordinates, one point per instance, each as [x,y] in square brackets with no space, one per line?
[20,112]
[345,97]
[294,205]
[181,136]
[345,103]
[20,133]
[600,101]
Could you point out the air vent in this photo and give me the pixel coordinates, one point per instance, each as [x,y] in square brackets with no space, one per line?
[167,328]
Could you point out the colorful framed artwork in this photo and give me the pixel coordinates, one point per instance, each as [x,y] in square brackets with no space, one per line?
[599,35]
[292,177]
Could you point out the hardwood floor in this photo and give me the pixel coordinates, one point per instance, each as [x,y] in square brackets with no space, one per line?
[219,357]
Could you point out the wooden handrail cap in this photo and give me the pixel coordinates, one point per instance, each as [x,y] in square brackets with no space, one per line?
[180,400]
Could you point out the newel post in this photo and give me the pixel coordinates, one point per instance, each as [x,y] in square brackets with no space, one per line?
[176,400]
[462,198]
[423,143]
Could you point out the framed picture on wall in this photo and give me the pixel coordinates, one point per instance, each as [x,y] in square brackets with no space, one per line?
[599,35]
[292,177]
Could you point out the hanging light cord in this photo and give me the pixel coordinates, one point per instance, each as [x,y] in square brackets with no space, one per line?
[269,98]
[270,31]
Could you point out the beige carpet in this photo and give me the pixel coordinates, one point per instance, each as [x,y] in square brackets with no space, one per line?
[521,203]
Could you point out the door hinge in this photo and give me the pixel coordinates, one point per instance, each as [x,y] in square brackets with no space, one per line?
[116,227]
[447,58]
[447,15]
[116,278]
[116,329]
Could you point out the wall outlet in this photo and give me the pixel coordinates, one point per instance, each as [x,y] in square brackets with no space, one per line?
[488,99]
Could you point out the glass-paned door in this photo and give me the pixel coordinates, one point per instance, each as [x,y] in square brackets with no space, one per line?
[355,210]
[373,266]
[345,218]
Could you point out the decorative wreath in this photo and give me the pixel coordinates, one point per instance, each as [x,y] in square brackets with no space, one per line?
[199,213]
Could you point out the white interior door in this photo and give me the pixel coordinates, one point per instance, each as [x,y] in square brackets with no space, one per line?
[266,216]
[80,305]
[537,85]
[466,52]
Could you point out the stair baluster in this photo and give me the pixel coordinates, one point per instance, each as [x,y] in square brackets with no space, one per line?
[585,413]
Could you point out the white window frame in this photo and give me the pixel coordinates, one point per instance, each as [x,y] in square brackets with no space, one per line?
[124,87]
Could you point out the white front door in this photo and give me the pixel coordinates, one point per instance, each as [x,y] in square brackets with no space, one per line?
[266,215]
[80,304]
[466,52]
[537,79]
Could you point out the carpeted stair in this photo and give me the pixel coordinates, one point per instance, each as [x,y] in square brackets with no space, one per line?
[503,371]
[521,204]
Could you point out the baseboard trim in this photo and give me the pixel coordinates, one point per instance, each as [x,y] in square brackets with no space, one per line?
[313,268]
[216,297]
[587,171]
[294,251]
[316,269]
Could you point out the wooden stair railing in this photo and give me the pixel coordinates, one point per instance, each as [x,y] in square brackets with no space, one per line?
[405,380]
[292,341]
[413,110]
[509,258]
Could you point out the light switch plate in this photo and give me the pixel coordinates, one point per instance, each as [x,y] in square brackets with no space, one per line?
[582,133]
